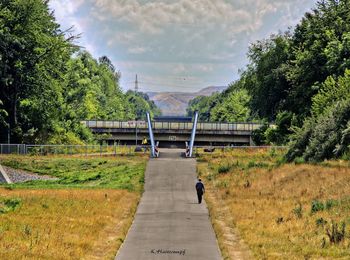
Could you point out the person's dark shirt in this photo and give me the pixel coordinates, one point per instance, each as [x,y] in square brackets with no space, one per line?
[200,187]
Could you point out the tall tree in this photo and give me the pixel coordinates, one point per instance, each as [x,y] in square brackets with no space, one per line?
[33,54]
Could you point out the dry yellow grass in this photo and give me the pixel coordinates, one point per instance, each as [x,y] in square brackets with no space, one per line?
[258,199]
[66,224]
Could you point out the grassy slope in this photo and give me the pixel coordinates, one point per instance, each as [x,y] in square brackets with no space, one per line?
[85,214]
[261,199]
[80,172]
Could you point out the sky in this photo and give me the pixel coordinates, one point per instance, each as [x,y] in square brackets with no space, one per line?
[182,45]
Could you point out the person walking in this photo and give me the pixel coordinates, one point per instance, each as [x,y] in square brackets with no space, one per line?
[200,190]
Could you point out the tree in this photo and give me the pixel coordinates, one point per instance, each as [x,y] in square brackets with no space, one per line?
[265,77]
[234,108]
[141,104]
[33,54]
[326,133]
[320,49]
[204,106]
[3,114]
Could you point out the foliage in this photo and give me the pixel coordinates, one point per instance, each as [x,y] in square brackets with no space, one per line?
[294,78]
[48,85]
[234,108]
[336,233]
[224,168]
[258,135]
[298,211]
[279,134]
[316,206]
[140,103]
[8,205]
[33,54]
[204,106]
[3,115]
[265,77]
[324,137]
[331,90]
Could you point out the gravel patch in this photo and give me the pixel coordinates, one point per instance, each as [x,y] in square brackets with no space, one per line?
[16,175]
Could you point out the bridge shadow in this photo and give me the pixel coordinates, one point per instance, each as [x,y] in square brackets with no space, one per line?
[171,153]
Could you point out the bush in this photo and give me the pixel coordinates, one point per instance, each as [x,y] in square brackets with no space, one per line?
[9,205]
[317,206]
[336,234]
[300,139]
[224,168]
[326,134]
[321,222]
[299,160]
[298,211]
[330,204]
[253,164]
[258,135]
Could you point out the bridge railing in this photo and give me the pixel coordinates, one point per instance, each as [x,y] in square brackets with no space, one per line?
[173,125]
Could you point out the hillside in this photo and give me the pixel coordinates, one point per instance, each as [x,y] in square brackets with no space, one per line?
[175,103]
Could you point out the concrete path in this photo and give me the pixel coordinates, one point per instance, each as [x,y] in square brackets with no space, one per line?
[169,224]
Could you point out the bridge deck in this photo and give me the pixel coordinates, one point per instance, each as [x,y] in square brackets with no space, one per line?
[201,126]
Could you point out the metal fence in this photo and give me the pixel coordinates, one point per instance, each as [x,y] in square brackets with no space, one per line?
[23,149]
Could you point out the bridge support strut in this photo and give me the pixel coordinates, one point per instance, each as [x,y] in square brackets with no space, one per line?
[193,135]
[151,137]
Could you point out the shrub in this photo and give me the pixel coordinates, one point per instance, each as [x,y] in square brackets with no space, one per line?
[298,211]
[330,204]
[336,234]
[299,160]
[317,206]
[321,222]
[9,205]
[224,168]
[258,135]
[253,164]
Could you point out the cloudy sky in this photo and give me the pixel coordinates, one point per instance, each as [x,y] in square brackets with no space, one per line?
[176,45]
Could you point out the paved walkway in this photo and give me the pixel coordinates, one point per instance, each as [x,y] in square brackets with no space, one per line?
[169,224]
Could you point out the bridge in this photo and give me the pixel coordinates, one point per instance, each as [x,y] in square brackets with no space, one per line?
[172,133]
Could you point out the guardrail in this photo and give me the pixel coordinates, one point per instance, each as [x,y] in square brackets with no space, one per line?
[23,149]
[173,125]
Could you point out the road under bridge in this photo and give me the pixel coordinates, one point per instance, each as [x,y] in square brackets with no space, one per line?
[174,134]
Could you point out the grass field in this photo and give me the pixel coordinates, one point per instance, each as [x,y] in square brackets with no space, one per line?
[124,172]
[84,215]
[281,211]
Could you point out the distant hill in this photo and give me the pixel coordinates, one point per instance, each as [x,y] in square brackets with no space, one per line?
[175,103]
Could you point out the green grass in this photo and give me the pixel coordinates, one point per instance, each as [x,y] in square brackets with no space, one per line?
[93,172]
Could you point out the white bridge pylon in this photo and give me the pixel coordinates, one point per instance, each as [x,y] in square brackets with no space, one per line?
[189,149]
[154,147]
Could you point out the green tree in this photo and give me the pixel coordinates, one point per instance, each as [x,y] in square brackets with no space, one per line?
[33,54]
[331,90]
[141,104]
[326,133]
[3,115]
[234,108]
[203,105]
[320,49]
[265,77]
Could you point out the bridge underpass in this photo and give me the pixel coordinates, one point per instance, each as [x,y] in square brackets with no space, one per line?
[174,134]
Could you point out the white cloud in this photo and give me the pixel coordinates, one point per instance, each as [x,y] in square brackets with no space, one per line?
[205,39]
[138,50]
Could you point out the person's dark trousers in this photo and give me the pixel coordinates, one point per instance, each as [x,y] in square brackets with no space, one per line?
[199,195]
